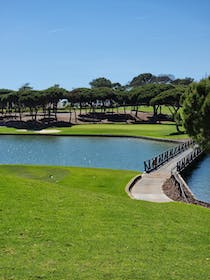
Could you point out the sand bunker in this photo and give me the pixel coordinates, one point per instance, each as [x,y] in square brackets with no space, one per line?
[45,131]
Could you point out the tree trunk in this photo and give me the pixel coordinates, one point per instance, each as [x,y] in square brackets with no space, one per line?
[31,113]
[20,113]
[155,113]
[55,109]
[35,114]
[48,109]
[80,108]
[70,114]
[124,109]
[44,111]
[75,115]
[137,108]
[177,127]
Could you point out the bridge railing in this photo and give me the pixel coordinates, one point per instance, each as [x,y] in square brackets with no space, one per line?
[157,161]
[180,166]
[184,162]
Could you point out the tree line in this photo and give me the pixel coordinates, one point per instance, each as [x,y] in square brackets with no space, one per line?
[145,89]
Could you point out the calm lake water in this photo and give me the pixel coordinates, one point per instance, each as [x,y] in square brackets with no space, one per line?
[104,152]
[198,178]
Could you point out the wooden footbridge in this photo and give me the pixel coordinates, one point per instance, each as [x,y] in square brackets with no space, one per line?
[162,167]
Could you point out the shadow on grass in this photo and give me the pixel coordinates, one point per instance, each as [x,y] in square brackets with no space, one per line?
[178,133]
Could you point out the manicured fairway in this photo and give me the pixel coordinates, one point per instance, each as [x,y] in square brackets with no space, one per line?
[149,130]
[167,131]
[4,130]
[76,223]
[149,109]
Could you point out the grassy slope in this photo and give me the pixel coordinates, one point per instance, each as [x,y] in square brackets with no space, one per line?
[149,130]
[74,223]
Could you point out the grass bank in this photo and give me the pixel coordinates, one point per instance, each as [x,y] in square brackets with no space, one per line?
[77,223]
[166,131]
[148,130]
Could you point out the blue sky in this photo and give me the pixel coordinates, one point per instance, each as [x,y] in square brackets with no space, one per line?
[46,42]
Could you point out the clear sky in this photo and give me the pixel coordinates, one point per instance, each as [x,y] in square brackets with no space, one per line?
[71,42]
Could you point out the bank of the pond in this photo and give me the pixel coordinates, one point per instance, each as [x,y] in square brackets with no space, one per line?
[156,131]
[173,191]
[97,135]
[61,223]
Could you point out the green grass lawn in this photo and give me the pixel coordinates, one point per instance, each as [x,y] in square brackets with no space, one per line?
[11,130]
[149,109]
[77,223]
[148,130]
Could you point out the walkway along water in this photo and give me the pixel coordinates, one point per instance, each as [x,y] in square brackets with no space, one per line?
[161,168]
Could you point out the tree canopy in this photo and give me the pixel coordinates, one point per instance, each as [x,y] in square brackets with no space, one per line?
[185,82]
[142,79]
[170,97]
[101,82]
[196,112]
[148,78]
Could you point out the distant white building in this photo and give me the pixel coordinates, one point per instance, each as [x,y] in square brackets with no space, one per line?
[63,103]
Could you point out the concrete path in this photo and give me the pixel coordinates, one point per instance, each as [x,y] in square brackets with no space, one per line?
[149,187]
